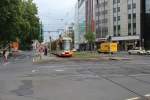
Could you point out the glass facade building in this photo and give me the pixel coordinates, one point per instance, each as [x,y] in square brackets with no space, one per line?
[145,36]
[147,3]
[81,20]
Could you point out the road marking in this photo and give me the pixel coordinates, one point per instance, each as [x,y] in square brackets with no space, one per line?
[138,75]
[147,95]
[59,70]
[33,71]
[136,98]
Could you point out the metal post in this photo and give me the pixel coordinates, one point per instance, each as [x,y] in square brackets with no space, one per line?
[110,40]
[50,45]
[110,49]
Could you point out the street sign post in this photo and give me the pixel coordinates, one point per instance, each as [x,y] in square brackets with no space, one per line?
[109,39]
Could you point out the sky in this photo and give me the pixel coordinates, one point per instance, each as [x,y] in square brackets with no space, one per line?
[55,14]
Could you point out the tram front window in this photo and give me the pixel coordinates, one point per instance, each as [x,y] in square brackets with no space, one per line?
[66,45]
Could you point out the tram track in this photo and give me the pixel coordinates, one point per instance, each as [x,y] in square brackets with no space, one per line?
[121,85]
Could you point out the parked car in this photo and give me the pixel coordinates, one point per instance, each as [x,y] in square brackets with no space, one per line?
[148,52]
[137,51]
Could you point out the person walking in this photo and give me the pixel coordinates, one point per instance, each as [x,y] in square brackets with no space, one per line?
[5,56]
[45,51]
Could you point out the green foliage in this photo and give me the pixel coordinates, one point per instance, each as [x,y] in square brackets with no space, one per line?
[90,37]
[18,19]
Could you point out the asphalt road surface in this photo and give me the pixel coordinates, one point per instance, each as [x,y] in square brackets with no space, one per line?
[69,79]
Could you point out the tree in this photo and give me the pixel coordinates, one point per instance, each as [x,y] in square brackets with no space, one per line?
[18,19]
[90,37]
[9,14]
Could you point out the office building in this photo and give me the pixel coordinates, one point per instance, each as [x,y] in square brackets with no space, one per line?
[127,21]
[80,24]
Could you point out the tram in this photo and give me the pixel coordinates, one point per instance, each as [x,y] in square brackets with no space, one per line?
[64,47]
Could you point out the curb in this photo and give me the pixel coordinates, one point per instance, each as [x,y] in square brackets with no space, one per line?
[119,58]
[57,59]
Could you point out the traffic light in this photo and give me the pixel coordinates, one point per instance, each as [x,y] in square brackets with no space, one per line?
[109,38]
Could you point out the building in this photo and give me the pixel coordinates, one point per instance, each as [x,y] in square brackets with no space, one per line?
[102,18]
[125,20]
[90,18]
[126,23]
[145,26]
[76,28]
[80,23]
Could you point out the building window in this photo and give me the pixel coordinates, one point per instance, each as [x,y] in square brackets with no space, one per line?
[114,1]
[118,9]
[118,18]
[104,20]
[114,10]
[118,27]
[129,26]
[119,30]
[129,6]
[115,30]
[129,1]
[134,15]
[134,33]
[118,1]
[97,2]
[106,3]
[134,28]
[134,25]
[129,16]
[134,6]
[134,18]
[129,29]
[129,34]
[114,19]
[105,12]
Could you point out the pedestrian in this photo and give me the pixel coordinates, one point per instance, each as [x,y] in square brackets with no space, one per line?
[41,51]
[5,56]
[45,50]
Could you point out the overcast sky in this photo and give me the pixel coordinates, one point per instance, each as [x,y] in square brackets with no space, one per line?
[51,11]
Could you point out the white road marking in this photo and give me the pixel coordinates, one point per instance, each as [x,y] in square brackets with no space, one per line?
[136,98]
[59,70]
[33,71]
[147,95]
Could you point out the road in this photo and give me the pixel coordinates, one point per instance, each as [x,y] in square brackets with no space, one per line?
[76,79]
